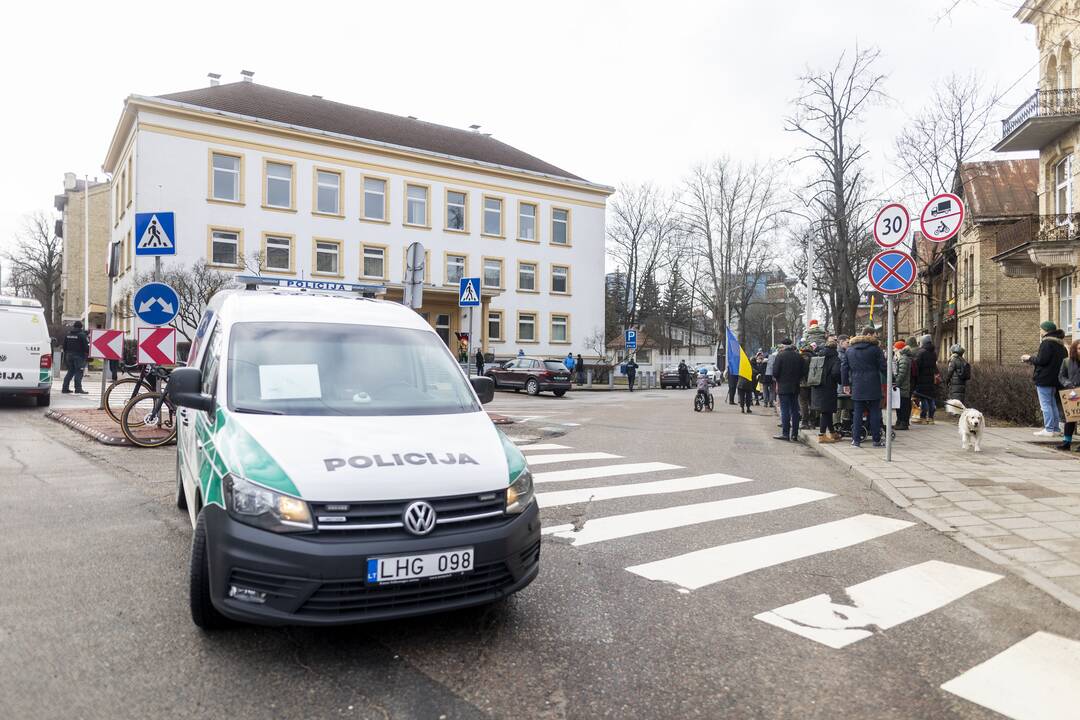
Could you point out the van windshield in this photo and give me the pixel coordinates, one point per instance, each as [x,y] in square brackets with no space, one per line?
[297,368]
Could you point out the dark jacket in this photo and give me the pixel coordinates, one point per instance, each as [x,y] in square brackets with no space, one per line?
[788,371]
[903,379]
[1047,361]
[956,377]
[926,371]
[863,365]
[823,396]
[1069,374]
[77,343]
[684,372]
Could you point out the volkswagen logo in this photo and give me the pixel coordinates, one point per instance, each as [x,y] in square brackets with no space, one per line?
[3,358]
[419,518]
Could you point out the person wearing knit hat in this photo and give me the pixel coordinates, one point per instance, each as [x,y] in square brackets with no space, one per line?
[957,374]
[903,380]
[1047,364]
[899,345]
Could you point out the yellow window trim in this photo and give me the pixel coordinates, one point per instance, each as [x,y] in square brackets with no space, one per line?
[551,329]
[386,198]
[340,256]
[536,221]
[427,206]
[551,279]
[536,327]
[340,214]
[210,229]
[446,210]
[502,272]
[502,216]
[292,184]
[210,152]
[536,276]
[502,325]
[291,270]
[446,266]
[569,226]
[385,264]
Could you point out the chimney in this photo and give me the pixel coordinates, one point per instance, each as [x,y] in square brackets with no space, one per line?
[411,117]
[215,79]
[248,75]
[474,128]
[70,183]
[317,97]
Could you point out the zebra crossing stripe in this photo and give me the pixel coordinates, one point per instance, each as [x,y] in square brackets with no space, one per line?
[571,457]
[619,526]
[1038,678]
[542,446]
[883,602]
[591,473]
[711,565]
[657,487]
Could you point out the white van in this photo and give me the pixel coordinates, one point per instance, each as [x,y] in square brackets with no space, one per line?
[338,467]
[25,350]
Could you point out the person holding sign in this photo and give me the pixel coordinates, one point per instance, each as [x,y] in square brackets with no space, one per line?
[1069,377]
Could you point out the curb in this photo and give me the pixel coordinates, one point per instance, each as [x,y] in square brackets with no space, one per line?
[102,437]
[1065,597]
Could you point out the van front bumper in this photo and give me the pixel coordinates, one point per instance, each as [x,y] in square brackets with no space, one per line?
[308,580]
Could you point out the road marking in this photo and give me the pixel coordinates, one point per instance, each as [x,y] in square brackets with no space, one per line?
[543,446]
[569,457]
[619,526]
[658,487]
[711,565]
[878,604]
[1038,678]
[603,471]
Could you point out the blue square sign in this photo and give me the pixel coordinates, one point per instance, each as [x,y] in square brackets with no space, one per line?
[469,292]
[155,233]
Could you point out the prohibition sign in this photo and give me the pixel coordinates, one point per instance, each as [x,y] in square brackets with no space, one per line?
[891,272]
[941,217]
[891,225]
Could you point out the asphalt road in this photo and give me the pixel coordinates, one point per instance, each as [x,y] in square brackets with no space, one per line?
[94,620]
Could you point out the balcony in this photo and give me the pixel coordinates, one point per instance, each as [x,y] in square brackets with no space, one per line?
[1041,241]
[1039,120]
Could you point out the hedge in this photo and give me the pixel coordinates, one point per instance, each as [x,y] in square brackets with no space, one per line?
[1001,392]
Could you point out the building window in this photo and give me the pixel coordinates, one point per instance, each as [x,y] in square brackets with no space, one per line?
[455,269]
[493,216]
[225,247]
[526,327]
[328,257]
[375,199]
[560,226]
[328,192]
[1063,188]
[527,276]
[495,325]
[130,173]
[560,279]
[493,273]
[225,177]
[1065,318]
[279,185]
[374,261]
[526,221]
[560,328]
[130,252]
[277,253]
[456,212]
[416,205]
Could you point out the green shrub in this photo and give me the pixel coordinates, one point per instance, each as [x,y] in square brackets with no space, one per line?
[1003,392]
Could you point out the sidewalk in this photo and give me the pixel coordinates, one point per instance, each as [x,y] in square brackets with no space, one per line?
[1016,503]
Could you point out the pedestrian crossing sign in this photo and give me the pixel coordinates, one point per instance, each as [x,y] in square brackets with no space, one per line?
[469,292]
[156,233]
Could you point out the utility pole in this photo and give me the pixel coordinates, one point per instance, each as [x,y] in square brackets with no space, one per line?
[86,251]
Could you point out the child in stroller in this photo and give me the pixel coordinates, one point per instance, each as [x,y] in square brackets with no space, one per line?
[704,397]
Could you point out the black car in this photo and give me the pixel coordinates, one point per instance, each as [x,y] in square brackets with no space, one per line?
[534,375]
[669,377]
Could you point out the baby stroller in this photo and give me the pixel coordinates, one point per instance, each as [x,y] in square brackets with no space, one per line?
[703,398]
[845,405]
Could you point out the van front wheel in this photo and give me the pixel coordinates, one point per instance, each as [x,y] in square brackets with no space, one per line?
[203,612]
[181,499]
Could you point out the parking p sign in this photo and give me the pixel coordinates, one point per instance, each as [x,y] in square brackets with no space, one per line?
[631,339]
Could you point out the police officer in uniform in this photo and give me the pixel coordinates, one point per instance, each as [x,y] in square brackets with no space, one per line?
[76,350]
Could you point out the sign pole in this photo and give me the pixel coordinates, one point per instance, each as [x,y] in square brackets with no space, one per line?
[889,379]
[113,267]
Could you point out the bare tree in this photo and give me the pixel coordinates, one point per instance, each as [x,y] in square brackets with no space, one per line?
[36,266]
[826,114]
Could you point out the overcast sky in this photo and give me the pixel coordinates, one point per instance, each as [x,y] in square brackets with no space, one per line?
[612,91]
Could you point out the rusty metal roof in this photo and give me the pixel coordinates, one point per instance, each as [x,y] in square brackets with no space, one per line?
[1001,188]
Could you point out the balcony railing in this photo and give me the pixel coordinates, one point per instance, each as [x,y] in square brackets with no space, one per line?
[1038,228]
[1044,103]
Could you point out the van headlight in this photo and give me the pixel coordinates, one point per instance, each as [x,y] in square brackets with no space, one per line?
[520,492]
[262,507]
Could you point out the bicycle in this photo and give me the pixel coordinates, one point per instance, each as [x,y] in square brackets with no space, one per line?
[117,395]
[703,400]
[149,420]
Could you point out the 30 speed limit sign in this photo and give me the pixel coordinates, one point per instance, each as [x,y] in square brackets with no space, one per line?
[891,225]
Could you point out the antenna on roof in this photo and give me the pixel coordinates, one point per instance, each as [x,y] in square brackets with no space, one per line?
[248,75]
[474,128]
[215,79]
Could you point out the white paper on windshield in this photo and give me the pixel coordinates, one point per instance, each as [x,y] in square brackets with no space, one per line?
[289,382]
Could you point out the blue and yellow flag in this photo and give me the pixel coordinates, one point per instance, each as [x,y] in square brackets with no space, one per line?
[737,361]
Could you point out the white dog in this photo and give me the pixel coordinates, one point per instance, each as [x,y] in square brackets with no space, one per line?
[971,424]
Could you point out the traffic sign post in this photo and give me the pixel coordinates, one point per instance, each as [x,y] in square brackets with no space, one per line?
[157,346]
[107,344]
[891,225]
[155,233]
[155,304]
[469,297]
[941,217]
[631,339]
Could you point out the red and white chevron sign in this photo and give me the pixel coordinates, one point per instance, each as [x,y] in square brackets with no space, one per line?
[107,344]
[157,346]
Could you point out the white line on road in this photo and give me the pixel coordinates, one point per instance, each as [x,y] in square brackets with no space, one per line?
[1038,678]
[657,487]
[570,457]
[619,526]
[600,471]
[883,602]
[704,567]
[543,446]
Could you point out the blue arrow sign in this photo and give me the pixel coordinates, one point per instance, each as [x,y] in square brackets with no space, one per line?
[469,292]
[155,234]
[891,272]
[631,339]
[155,303]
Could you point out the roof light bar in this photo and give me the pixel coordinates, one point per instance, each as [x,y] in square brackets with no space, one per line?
[253,282]
[20,302]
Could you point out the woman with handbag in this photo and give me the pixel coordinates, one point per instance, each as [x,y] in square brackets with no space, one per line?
[927,379]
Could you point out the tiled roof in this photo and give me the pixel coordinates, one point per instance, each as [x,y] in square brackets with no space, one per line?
[307,111]
[1001,188]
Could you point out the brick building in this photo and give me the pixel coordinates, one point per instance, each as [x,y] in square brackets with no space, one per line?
[72,205]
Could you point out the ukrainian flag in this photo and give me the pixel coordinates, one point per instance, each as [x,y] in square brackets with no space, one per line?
[736,358]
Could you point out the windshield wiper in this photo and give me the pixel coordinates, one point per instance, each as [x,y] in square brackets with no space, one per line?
[257,411]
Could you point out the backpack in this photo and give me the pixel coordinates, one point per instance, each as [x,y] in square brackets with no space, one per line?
[817,370]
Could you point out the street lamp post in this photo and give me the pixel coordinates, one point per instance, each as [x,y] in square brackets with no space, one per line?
[772,322]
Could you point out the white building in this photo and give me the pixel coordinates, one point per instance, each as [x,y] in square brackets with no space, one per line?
[292,185]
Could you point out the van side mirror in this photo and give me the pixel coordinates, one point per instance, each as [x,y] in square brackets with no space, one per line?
[185,389]
[484,387]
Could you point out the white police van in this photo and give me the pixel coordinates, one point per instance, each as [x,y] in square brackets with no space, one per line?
[25,350]
[338,467]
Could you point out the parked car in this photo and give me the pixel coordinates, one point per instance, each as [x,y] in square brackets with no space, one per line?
[669,377]
[716,375]
[534,375]
[25,350]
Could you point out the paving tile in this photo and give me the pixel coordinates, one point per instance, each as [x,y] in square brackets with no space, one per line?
[1050,516]
[962,521]
[932,503]
[952,511]
[1069,526]
[906,482]
[994,517]
[1071,545]
[1063,501]
[947,486]
[1028,507]
[1041,533]
[1018,522]
[1030,554]
[1069,583]
[1056,569]
[980,506]
[961,496]
[917,492]
[984,531]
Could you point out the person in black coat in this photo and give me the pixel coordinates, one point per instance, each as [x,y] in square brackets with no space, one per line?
[823,395]
[76,351]
[926,380]
[684,375]
[479,361]
[1047,365]
[861,373]
[788,373]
